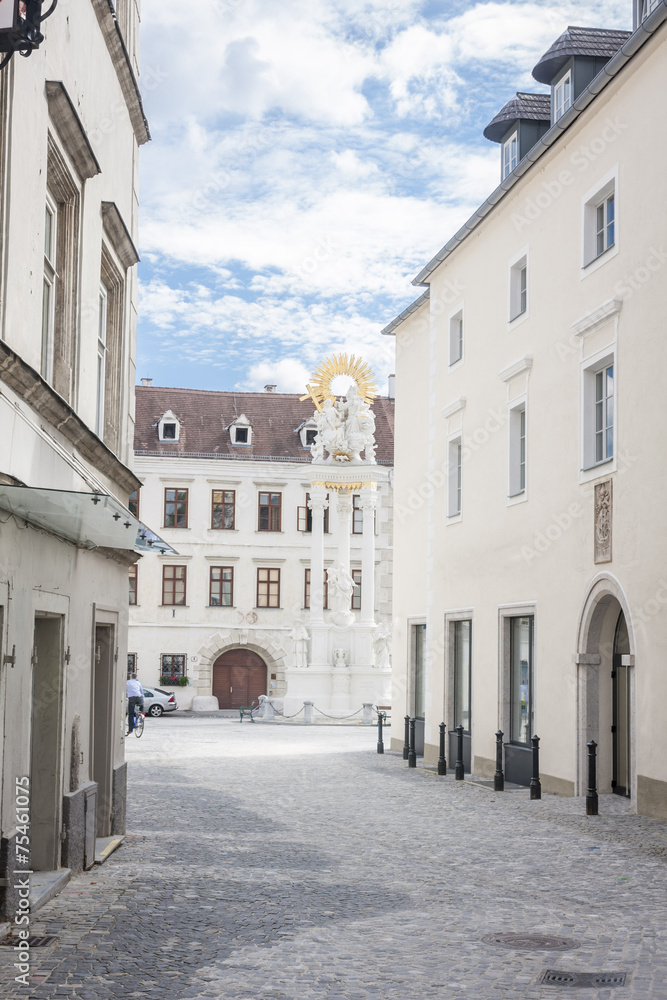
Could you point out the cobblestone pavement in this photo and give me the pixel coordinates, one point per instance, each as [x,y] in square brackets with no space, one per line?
[272,862]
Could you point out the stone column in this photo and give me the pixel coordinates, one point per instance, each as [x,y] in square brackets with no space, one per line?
[368,503]
[344,528]
[318,503]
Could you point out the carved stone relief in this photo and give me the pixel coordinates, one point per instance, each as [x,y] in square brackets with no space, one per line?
[603,521]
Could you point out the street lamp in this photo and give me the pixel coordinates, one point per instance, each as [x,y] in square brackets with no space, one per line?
[19,26]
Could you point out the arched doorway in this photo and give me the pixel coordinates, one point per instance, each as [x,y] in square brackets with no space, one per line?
[239,677]
[621,705]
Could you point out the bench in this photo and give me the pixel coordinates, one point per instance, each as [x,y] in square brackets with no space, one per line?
[384,708]
[248,710]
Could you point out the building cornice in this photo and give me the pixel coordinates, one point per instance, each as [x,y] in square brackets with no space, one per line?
[38,394]
[118,235]
[412,308]
[597,317]
[70,129]
[524,364]
[452,408]
[106,17]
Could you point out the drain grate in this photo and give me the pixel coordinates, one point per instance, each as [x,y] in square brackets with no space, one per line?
[34,941]
[557,977]
[531,942]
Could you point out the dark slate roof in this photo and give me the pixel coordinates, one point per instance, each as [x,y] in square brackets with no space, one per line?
[596,43]
[274,417]
[523,107]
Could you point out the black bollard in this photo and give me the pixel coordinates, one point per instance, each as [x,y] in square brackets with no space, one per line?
[442,760]
[406,738]
[592,793]
[459,769]
[499,777]
[412,756]
[381,718]
[535,786]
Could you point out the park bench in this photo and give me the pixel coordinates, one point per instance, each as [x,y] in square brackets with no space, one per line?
[248,710]
[384,708]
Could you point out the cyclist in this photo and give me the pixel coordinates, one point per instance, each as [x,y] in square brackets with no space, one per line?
[135,696]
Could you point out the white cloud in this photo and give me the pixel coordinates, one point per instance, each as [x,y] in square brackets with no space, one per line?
[288,374]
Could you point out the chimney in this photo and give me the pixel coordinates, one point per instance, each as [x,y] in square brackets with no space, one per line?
[391,394]
[147,381]
[270,388]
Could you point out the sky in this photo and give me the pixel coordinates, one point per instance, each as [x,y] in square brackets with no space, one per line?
[308,157]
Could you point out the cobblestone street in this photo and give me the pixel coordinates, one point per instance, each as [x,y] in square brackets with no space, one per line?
[291,862]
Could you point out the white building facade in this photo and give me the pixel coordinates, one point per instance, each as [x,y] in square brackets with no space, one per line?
[229,478]
[530,593]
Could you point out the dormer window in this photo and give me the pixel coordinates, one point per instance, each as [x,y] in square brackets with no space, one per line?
[240,435]
[510,154]
[563,96]
[169,428]
[240,431]
[307,432]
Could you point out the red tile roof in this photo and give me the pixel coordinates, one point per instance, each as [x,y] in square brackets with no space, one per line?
[205,416]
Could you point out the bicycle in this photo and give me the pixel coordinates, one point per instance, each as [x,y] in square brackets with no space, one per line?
[139,718]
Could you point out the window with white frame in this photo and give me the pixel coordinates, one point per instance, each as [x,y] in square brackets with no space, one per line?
[519,288]
[48,294]
[169,427]
[454,477]
[599,412]
[101,361]
[517,450]
[510,154]
[456,337]
[600,222]
[649,6]
[562,99]
[605,218]
[241,431]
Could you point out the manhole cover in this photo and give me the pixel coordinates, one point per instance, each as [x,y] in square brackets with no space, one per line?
[531,942]
[34,941]
[557,977]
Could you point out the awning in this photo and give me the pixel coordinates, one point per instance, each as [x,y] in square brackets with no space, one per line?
[90,520]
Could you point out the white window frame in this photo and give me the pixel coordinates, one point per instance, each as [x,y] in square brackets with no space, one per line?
[169,418]
[606,187]
[561,108]
[517,487]
[101,380]
[456,326]
[241,424]
[454,477]
[516,266]
[50,277]
[510,154]
[591,467]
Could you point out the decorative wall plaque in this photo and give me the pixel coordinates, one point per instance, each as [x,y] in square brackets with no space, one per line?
[603,514]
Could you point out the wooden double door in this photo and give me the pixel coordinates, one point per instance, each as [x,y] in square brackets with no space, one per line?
[239,677]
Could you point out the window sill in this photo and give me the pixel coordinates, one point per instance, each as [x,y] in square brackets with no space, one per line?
[222,607]
[598,471]
[175,527]
[222,529]
[453,365]
[173,606]
[518,319]
[454,518]
[599,261]
[258,608]
[515,498]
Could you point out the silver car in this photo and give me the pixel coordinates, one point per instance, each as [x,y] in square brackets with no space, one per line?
[157,701]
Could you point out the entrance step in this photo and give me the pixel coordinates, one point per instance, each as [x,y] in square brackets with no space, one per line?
[45,885]
[105,846]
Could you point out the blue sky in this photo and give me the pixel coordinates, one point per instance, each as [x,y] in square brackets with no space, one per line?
[308,157]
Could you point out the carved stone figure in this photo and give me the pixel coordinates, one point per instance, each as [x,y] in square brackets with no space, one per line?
[603,521]
[299,636]
[345,428]
[340,658]
[341,588]
[382,645]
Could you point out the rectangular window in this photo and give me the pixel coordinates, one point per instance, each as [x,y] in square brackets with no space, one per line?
[357,515]
[173,585]
[269,511]
[101,361]
[110,335]
[517,432]
[223,507]
[268,588]
[356,593]
[518,288]
[175,508]
[510,154]
[221,588]
[304,517]
[48,294]
[133,503]
[605,225]
[172,667]
[133,584]
[599,412]
[454,478]
[131,664]
[456,337]
[600,222]
[306,590]
[521,679]
[419,671]
[462,673]
[563,96]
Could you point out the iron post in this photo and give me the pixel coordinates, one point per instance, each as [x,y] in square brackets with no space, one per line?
[459,769]
[412,756]
[499,777]
[535,786]
[406,738]
[381,718]
[442,760]
[592,793]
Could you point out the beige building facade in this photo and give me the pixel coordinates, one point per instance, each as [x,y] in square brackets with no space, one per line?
[530,593]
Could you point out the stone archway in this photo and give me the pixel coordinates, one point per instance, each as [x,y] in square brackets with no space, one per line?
[239,678]
[267,644]
[601,611]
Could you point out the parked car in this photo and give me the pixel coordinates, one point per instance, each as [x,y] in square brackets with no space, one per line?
[157,701]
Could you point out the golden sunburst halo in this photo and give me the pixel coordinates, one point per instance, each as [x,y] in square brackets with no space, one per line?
[361,373]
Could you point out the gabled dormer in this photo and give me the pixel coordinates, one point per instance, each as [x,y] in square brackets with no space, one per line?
[240,431]
[169,428]
[573,61]
[517,128]
[307,431]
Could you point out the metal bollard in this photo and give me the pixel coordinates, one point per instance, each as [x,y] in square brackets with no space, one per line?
[592,793]
[442,760]
[406,738]
[412,756]
[499,777]
[459,768]
[381,717]
[535,786]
